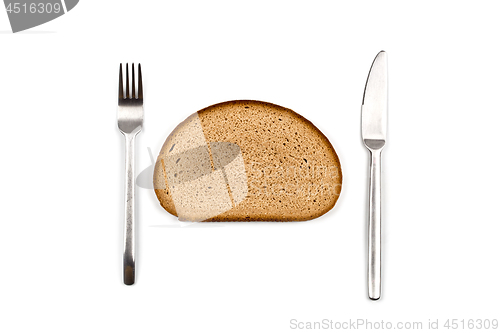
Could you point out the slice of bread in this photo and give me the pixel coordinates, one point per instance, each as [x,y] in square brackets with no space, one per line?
[247,161]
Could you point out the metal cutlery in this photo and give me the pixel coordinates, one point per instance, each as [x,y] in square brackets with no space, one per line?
[130,117]
[374,134]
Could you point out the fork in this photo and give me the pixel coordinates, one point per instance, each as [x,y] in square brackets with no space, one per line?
[130,117]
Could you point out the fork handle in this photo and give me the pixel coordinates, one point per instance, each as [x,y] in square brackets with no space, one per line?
[374,226]
[129,228]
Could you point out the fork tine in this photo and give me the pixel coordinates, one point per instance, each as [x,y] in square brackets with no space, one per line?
[139,94]
[133,81]
[127,94]
[120,84]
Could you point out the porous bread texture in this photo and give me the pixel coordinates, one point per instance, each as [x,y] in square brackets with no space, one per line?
[292,170]
[187,135]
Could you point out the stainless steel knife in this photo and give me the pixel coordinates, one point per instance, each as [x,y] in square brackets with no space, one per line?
[374,134]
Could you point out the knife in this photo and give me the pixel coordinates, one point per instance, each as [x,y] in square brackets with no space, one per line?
[374,134]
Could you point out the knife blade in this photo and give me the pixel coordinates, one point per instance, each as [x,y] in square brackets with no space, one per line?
[374,135]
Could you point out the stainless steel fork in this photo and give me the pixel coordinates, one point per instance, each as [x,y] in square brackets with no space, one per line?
[130,118]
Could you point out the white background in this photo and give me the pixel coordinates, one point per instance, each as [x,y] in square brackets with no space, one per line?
[62,165]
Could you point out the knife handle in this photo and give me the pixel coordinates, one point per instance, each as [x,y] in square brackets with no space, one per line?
[374,226]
